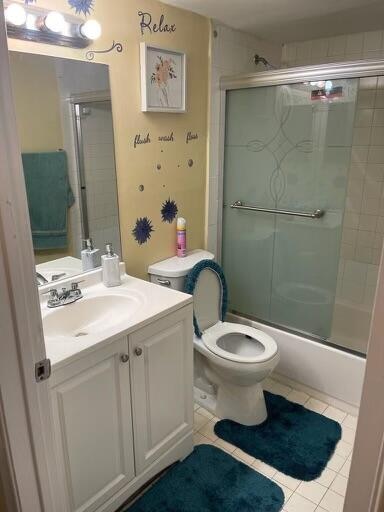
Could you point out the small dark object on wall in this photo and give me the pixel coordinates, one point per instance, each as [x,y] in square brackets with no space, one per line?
[169,210]
[142,230]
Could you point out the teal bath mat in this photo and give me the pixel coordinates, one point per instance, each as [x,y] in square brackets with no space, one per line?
[293,440]
[210,480]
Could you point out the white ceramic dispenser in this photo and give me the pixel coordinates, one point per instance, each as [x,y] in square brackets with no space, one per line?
[111,267]
[90,257]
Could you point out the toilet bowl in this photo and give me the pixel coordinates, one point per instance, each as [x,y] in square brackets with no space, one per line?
[230,360]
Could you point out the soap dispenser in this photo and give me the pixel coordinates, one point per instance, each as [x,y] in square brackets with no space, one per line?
[90,257]
[111,267]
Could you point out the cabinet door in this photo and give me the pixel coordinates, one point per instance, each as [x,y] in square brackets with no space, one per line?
[161,357]
[93,426]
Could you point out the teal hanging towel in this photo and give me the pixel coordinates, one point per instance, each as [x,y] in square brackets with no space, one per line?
[49,197]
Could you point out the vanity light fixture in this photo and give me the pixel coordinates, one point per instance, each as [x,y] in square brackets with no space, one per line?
[16,15]
[55,22]
[33,23]
[91,29]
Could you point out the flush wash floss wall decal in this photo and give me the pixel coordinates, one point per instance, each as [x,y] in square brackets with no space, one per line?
[142,230]
[169,211]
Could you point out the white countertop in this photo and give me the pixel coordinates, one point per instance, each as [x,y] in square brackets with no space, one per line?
[152,302]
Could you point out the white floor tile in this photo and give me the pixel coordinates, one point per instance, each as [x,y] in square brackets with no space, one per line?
[326,477]
[348,434]
[207,431]
[335,414]
[316,405]
[298,397]
[344,449]
[244,457]
[263,468]
[332,502]
[286,480]
[220,443]
[339,485]
[205,413]
[344,471]
[287,492]
[336,462]
[297,503]
[313,491]
[198,439]
[350,421]
[277,388]
[199,420]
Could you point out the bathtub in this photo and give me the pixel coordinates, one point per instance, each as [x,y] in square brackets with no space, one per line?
[324,369]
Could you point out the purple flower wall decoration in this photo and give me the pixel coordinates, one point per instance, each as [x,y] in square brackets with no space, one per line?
[82,6]
[142,230]
[169,210]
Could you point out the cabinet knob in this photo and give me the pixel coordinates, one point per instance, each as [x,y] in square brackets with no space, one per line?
[124,358]
[138,351]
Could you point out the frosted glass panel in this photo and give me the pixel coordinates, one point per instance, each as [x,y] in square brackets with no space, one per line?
[286,149]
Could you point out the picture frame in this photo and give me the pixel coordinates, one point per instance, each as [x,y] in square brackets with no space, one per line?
[163,79]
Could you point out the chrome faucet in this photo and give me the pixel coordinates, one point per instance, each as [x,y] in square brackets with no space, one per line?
[65,297]
[41,279]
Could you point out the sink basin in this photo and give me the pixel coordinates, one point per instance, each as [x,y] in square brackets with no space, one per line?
[90,315]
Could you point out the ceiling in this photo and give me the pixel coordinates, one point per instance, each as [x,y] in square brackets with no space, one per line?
[291,20]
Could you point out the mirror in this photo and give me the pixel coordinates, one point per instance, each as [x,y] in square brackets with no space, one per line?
[64,118]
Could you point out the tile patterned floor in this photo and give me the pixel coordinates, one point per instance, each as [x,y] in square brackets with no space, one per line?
[327,493]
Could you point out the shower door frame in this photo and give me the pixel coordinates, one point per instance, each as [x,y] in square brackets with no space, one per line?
[338,70]
[77,101]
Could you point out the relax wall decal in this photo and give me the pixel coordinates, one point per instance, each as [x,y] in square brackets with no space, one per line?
[146,24]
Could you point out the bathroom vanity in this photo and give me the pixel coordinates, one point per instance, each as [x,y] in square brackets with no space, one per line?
[121,388]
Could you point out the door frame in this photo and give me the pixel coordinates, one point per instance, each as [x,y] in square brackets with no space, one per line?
[25,422]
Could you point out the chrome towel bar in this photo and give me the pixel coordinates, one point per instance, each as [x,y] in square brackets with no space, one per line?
[316,214]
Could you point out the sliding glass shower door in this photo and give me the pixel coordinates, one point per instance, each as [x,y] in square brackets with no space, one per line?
[287,151]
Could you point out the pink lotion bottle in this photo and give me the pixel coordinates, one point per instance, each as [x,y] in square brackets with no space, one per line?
[181,237]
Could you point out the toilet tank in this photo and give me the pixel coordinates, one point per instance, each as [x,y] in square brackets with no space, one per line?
[173,271]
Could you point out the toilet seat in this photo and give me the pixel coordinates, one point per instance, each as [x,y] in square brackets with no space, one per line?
[247,345]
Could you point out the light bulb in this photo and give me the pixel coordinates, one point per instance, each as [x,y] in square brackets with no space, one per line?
[15,14]
[55,22]
[91,29]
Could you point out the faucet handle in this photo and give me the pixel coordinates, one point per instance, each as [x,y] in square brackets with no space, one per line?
[52,293]
[75,285]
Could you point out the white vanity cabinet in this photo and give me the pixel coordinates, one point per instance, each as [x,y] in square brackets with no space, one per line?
[124,412]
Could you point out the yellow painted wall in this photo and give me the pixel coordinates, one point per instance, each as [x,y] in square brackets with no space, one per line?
[37,103]
[135,167]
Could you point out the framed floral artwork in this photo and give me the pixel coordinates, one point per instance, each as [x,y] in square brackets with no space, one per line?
[163,79]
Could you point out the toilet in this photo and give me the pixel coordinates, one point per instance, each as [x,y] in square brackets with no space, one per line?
[230,359]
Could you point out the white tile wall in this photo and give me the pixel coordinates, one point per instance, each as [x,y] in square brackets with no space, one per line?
[232,52]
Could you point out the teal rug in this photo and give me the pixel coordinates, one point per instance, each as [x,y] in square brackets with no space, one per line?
[293,440]
[210,480]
